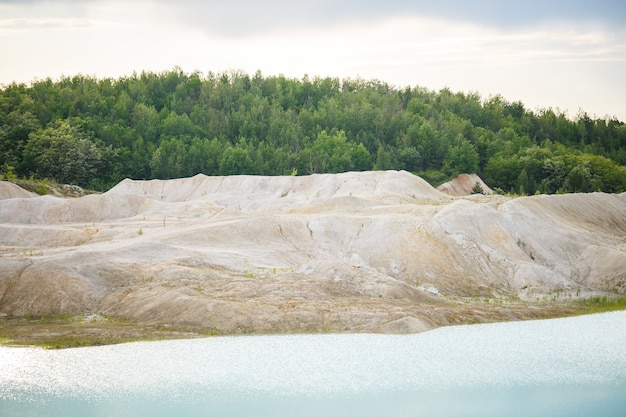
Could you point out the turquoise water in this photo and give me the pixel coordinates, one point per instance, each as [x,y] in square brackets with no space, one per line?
[562,367]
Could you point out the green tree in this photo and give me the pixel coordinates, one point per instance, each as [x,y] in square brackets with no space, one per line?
[202,157]
[146,122]
[236,160]
[14,132]
[168,160]
[64,153]
[384,160]
[606,174]
[332,152]
[477,188]
[175,124]
[178,126]
[580,179]
[503,172]
[410,159]
[461,158]
[555,172]
[361,158]
[523,183]
[431,148]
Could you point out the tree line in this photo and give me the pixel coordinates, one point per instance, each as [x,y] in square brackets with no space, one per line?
[94,132]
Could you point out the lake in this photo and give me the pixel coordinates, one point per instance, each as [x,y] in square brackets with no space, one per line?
[561,367]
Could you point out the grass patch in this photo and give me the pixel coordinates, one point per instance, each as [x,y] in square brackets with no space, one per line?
[65,331]
[85,341]
[601,304]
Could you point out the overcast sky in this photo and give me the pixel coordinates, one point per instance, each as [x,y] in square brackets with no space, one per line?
[562,54]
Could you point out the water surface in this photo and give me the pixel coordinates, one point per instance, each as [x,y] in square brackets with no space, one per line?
[561,367]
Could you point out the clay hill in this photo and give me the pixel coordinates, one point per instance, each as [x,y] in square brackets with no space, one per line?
[369,251]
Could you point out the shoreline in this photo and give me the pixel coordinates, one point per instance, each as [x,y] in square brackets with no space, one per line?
[62,332]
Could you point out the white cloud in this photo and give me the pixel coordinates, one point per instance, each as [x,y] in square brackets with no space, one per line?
[42,24]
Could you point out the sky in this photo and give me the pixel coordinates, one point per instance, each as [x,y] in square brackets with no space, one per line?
[568,55]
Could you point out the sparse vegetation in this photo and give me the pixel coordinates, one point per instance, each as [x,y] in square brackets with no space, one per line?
[213,331]
[601,304]
[68,331]
[477,189]
[44,186]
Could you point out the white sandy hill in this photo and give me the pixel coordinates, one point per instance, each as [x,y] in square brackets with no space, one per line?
[353,251]
[464,184]
[10,190]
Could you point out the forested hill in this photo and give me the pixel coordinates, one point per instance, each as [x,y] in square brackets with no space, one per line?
[94,132]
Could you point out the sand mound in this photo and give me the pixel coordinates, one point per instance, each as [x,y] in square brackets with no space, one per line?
[53,210]
[10,190]
[464,185]
[359,184]
[202,194]
[372,251]
[406,325]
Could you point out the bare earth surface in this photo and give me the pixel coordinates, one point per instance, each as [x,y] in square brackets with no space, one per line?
[358,252]
[464,185]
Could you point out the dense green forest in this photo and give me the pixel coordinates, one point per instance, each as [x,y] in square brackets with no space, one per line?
[95,132]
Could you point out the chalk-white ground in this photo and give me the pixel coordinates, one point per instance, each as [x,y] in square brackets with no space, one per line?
[370,251]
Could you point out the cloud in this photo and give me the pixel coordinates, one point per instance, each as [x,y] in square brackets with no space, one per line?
[30,24]
[242,18]
[517,14]
[236,18]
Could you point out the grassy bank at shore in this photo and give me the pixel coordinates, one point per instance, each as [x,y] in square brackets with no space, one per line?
[67,331]
[59,332]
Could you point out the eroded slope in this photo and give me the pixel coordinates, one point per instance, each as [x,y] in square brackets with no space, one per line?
[373,251]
